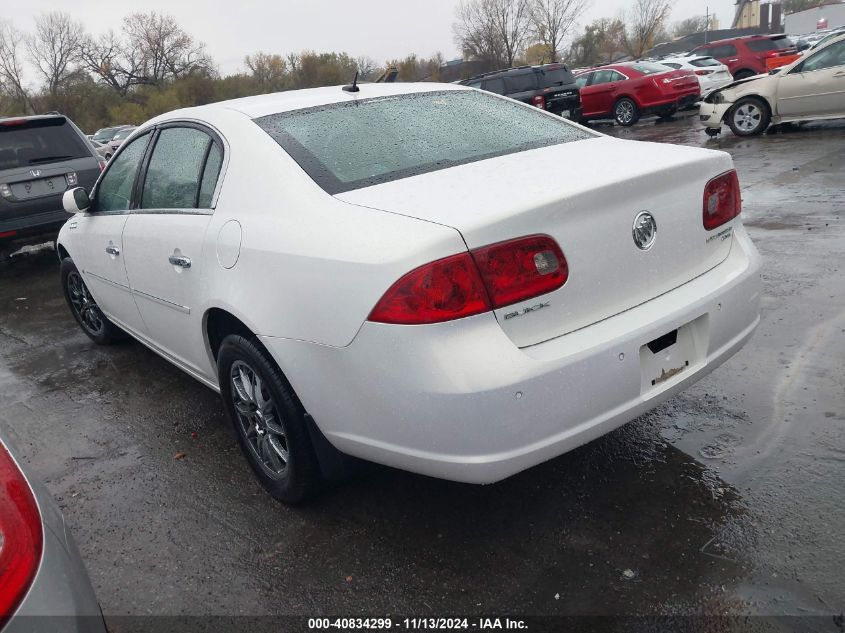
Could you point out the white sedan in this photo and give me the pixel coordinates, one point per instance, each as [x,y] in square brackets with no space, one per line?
[711,73]
[427,276]
[810,88]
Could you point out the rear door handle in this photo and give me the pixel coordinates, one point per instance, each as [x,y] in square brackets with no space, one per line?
[840,74]
[111,249]
[180,260]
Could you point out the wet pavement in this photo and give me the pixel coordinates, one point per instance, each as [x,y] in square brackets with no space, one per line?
[726,500]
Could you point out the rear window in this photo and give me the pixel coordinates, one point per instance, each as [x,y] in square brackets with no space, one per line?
[38,142]
[558,77]
[521,83]
[356,144]
[123,134]
[649,68]
[759,46]
[704,62]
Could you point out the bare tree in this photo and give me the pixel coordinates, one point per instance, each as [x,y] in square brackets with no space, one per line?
[551,20]
[11,64]
[689,26]
[493,31]
[646,20]
[166,51]
[367,67]
[269,70]
[55,48]
[114,63]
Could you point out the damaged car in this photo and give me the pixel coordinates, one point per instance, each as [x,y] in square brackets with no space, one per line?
[811,88]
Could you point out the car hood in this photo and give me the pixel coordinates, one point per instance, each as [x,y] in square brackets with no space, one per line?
[736,88]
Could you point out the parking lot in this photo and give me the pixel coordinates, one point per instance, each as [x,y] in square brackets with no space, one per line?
[727,500]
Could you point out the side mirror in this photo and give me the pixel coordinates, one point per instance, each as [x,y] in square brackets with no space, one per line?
[76,200]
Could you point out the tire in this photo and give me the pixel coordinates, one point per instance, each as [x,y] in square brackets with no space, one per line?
[84,308]
[667,113]
[749,117]
[626,112]
[269,421]
[743,74]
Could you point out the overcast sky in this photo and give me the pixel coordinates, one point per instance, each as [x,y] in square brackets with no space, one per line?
[381,29]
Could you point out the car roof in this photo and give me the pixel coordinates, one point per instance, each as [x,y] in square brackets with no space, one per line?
[745,38]
[289,100]
[33,117]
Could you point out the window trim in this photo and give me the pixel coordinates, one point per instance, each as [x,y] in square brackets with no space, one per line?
[215,136]
[95,190]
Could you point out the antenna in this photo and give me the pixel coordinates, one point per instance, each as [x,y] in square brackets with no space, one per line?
[353,87]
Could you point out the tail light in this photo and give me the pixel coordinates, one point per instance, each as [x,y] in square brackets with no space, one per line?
[446,289]
[722,201]
[539,101]
[21,539]
[471,283]
[704,72]
[102,164]
[520,269]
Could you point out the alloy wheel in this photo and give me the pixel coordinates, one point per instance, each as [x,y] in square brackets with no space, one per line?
[747,117]
[84,305]
[625,112]
[259,419]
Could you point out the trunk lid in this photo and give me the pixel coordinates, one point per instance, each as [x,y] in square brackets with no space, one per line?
[677,80]
[586,195]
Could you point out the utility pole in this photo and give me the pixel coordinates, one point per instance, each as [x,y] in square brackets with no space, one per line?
[706,23]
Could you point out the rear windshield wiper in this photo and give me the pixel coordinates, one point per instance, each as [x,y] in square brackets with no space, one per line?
[47,159]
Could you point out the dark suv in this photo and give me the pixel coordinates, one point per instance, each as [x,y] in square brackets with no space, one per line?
[40,158]
[551,87]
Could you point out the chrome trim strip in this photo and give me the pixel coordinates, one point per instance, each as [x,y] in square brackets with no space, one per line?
[164,302]
[107,281]
[172,211]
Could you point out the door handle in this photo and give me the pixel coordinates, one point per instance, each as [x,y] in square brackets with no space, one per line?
[840,74]
[180,260]
[111,249]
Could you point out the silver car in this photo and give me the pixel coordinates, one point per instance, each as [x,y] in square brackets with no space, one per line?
[41,572]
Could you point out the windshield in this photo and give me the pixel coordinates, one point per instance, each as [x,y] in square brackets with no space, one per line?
[105,134]
[355,144]
[123,134]
[39,141]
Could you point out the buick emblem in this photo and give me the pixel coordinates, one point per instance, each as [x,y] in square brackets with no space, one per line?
[645,230]
[35,173]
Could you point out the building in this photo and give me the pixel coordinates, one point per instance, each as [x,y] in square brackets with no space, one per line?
[827,16]
[752,14]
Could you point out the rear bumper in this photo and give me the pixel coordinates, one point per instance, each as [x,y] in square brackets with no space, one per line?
[459,401]
[34,223]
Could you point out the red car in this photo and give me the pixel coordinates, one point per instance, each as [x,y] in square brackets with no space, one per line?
[628,90]
[746,56]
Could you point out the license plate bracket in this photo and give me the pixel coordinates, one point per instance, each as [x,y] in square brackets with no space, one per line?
[667,358]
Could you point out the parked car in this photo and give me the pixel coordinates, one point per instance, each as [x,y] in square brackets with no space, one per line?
[629,90]
[40,157]
[711,73]
[746,56]
[102,149]
[105,134]
[549,87]
[812,87]
[43,582]
[120,136]
[422,275]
